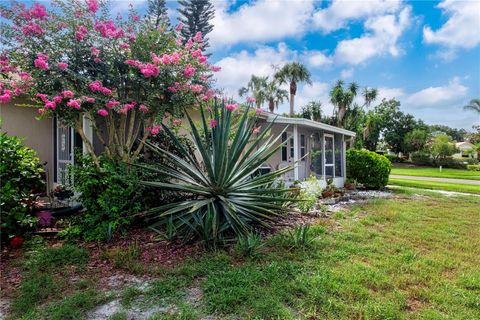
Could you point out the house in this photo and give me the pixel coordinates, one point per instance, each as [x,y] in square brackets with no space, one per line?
[465,150]
[317,148]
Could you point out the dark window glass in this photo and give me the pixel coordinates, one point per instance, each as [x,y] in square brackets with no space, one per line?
[292,148]
[302,146]
[284,148]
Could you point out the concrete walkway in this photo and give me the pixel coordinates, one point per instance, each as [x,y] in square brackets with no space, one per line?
[458,181]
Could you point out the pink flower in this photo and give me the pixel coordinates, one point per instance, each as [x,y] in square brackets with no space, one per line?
[250,100]
[133,63]
[256,129]
[177,122]
[74,103]
[197,53]
[129,106]
[24,76]
[50,105]
[62,65]
[102,112]
[32,29]
[112,103]
[97,60]
[172,89]
[232,107]
[94,51]
[213,123]
[95,86]
[105,91]
[175,57]
[92,5]
[197,88]
[215,68]
[6,96]
[89,99]
[57,99]
[202,59]
[38,11]
[154,130]
[67,94]
[41,110]
[189,44]
[197,37]
[189,71]
[42,96]
[41,64]
[166,59]
[258,110]
[81,33]
[42,56]
[122,111]
[135,18]
[124,45]
[149,70]
[179,27]
[143,108]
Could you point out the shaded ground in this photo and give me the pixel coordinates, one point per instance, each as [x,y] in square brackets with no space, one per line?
[414,256]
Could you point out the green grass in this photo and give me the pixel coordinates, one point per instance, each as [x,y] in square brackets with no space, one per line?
[402,258]
[435,172]
[433,185]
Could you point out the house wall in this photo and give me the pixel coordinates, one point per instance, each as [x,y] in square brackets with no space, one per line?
[37,134]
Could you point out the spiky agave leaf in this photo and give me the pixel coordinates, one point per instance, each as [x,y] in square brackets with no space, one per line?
[226,197]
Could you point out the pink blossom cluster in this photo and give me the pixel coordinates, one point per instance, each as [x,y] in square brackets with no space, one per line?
[92,5]
[102,112]
[149,70]
[74,103]
[108,29]
[94,51]
[97,86]
[5,65]
[62,65]
[197,54]
[154,130]
[41,61]
[6,94]
[32,28]
[143,108]
[189,71]
[232,107]
[112,103]
[251,100]
[81,33]
[127,107]
[166,58]
[38,11]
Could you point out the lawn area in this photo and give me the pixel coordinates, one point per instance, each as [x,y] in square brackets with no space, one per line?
[433,185]
[435,172]
[402,258]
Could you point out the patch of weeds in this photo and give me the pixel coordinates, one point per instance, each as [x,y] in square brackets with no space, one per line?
[129,295]
[250,246]
[74,306]
[120,315]
[125,258]
[53,258]
[168,287]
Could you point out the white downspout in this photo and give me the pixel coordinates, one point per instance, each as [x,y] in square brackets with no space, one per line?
[295,152]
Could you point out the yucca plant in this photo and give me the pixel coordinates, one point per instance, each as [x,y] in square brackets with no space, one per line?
[225,198]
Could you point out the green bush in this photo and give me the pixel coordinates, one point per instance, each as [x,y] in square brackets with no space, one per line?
[455,163]
[111,195]
[421,158]
[473,167]
[393,158]
[368,168]
[21,177]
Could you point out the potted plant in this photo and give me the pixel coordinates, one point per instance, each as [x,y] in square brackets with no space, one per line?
[350,184]
[329,191]
[62,192]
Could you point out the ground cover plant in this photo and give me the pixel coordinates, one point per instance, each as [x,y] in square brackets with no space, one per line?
[435,172]
[387,258]
[434,185]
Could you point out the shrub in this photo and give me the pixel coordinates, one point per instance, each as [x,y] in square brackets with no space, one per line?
[368,168]
[309,193]
[21,177]
[226,197]
[473,167]
[421,158]
[393,158]
[455,163]
[111,196]
[249,246]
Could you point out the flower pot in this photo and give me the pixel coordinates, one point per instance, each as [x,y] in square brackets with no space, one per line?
[349,186]
[327,194]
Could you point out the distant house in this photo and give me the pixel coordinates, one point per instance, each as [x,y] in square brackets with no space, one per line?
[465,150]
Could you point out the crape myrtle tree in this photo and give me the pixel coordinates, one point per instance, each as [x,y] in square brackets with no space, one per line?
[123,74]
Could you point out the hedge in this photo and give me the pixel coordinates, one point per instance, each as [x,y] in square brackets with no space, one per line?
[368,168]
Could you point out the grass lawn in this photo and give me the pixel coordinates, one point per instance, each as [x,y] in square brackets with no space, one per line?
[402,258]
[435,172]
[433,185]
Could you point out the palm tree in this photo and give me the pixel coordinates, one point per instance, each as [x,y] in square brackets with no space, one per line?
[342,98]
[257,88]
[369,95]
[275,95]
[473,105]
[293,73]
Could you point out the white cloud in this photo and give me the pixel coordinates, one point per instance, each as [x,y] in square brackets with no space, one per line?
[318,91]
[462,29]
[390,93]
[382,37]
[438,97]
[317,58]
[262,20]
[238,68]
[338,14]
[346,73]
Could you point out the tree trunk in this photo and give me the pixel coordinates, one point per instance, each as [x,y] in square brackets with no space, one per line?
[271,105]
[292,105]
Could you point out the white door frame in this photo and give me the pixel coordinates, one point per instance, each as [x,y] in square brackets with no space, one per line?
[325,165]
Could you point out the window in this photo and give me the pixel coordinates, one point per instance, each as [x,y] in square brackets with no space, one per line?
[302,146]
[292,148]
[284,147]
[338,155]
[329,156]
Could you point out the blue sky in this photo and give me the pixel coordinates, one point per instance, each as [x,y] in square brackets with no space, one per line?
[424,53]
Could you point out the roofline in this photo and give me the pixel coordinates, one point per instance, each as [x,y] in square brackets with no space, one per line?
[308,123]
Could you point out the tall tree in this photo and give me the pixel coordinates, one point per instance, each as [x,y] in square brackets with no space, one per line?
[473,105]
[257,88]
[274,95]
[342,98]
[293,73]
[157,12]
[196,16]
[312,111]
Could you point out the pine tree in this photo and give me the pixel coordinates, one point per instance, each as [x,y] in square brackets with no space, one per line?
[196,16]
[157,12]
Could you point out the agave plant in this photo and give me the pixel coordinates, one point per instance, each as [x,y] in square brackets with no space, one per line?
[224,195]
